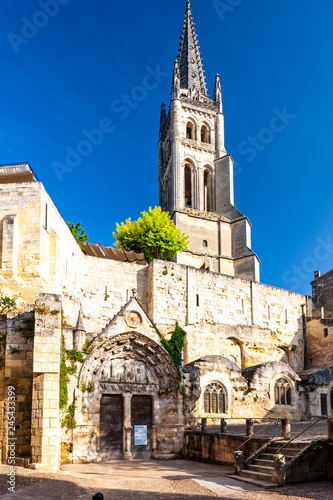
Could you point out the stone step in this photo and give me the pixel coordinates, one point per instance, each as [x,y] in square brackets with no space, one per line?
[270,456]
[261,468]
[286,451]
[293,444]
[268,478]
[261,461]
[255,482]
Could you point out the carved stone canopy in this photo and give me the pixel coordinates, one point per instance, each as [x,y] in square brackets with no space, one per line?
[129,362]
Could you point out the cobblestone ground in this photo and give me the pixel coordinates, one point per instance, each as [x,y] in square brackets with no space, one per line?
[319,430]
[150,480]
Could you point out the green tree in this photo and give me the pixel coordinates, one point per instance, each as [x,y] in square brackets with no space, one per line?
[154,234]
[8,304]
[78,231]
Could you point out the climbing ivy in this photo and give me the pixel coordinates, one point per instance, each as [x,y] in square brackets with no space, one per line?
[175,346]
[69,419]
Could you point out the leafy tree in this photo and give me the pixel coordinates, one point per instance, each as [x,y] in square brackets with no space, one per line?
[154,234]
[8,304]
[77,231]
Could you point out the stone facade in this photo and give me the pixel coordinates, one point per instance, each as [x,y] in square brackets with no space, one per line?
[248,345]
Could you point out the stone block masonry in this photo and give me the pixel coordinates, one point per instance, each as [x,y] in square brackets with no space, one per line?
[45,421]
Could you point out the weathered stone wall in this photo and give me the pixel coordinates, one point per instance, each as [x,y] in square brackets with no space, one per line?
[45,418]
[264,320]
[218,448]
[16,373]
[319,341]
[311,465]
[322,293]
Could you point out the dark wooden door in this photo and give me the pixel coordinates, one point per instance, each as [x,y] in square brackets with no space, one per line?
[142,414]
[111,427]
[323,404]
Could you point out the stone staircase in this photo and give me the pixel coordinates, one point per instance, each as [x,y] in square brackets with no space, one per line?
[259,469]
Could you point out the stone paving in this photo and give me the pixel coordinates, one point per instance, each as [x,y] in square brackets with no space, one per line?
[150,480]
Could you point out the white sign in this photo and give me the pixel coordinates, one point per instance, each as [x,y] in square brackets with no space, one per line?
[140,435]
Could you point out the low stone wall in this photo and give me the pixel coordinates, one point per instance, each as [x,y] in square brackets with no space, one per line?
[218,448]
[311,465]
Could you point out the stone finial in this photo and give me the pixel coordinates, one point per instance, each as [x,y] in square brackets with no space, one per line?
[218,92]
[79,324]
[134,292]
[176,81]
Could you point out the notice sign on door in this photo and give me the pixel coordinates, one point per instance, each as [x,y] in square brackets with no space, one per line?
[140,435]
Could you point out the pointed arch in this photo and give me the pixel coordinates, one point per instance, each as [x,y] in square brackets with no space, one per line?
[234,349]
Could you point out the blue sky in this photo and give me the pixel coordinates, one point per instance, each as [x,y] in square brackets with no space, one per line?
[66,77]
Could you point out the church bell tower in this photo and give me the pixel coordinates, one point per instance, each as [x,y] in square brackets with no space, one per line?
[196,172]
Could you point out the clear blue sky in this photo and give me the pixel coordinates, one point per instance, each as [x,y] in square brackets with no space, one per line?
[67,75]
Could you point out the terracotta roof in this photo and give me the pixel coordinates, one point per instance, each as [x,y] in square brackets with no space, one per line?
[98,250]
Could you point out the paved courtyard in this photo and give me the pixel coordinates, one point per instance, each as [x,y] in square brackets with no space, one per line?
[149,480]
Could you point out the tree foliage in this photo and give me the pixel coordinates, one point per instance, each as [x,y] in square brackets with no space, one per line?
[154,234]
[78,231]
[8,304]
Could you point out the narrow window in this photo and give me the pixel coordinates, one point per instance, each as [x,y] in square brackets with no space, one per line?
[205,243]
[189,130]
[204,134]
[286,316]
[325,332]
[269,312]
[243,306]
[188,187]
[207,191]
[45,217]
[198,302]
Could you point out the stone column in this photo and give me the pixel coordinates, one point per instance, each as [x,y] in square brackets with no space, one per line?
[204,424]
[249,427]
[279,469]
[286,428]
[127,427]
[330,449]
[223,426]
[45,418]
[239,462]
[177,189]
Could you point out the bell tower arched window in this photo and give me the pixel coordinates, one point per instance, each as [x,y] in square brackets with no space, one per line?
[207,191]
[188,187]
[189,130]
[204,134]
[282,392]
[215,399]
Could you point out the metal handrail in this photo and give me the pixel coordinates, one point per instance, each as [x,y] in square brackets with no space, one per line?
[276,422]
[295,437]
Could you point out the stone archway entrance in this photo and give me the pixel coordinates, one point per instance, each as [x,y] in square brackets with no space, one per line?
[135,406]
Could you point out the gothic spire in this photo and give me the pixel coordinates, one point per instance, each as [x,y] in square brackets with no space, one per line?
[190,62]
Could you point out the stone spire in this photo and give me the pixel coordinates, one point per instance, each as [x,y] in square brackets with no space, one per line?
[190,62]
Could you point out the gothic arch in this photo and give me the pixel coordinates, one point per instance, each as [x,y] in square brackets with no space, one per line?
[236,351]
[215,398]
[131,359]
[205,132]
[189,183]
[282,390]
[191,128]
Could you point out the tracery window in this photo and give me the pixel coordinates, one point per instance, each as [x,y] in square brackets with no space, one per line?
[214,399]
[282,392]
